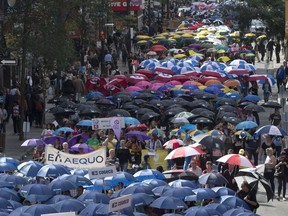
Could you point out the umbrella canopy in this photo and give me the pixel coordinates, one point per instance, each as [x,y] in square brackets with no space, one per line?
[172,175]
[271,104]
[148,174]
[58,185]
[236,159]
[213,179]
[271,130]
[141,199]
[53,139]
[179,193]
[52,170]
[57,198]
[201,194]
[9,194]
[83,146]
[138,134]
[246,125]
[184,151]
[5,167]
[209,141]
[76,179]
[197,211]
[119,113]
[232,201]
[13,179]
[35,210]
[168,203]
[124,177]
[184,183]
[173,144]
[154,182]
[85,123]
[9,160]
[69,205]
[63,130]
[137,187]
[30,168]
[222,191]
[94,196]
[254,108]
[36,192]
[33,142]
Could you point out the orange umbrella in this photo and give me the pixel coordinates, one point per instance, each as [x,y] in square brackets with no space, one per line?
[193,83]
[232,83]
[212,81]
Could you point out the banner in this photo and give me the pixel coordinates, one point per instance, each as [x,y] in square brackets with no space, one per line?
[115,123]
[121,5]
[156,158]
[104,123]
[77,161]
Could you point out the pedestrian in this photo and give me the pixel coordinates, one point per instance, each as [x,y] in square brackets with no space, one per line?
[230,174]
[39,111]
[269,170]
[282,174]
[3,118]
[275,117]
[280,77]
[256,49]
[195,168]
[112,160]
[16,117]
[248,194]
[79,87]
[252,147]
[124,156]
[277,51]
[267,91]
[262,50]
[270,47]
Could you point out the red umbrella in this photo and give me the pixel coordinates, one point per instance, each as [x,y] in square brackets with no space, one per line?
[211,73]
[236,159]
[143,84]
[174,82]
[163,77]
[134,78]
[118,82]
[133,89]
[141,127]
[164,70]
[239,72]
[181,78]
[156,86]
[256,77]
[173,144]
[147,73]
[184,152]
[118,77]
[94,83]
[190,73]
[158,48]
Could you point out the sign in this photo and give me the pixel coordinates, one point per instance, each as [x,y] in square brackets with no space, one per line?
[104,123]
[120,203]
[103,172]
[121,5]
[9,62]
[61,214]
[156,158]
[115,123]
[90,160]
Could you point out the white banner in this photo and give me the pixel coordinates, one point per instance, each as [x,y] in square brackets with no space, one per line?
[120,203]
[115,123]
[90,160]
[103,172]
[104,123]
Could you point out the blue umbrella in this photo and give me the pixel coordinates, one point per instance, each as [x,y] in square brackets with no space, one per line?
[33,142]
[9,160]
[232,201]
[30,168]
[69,205]
[4,213]
[14,180]
[201,194]
[63,129]
[80,172]
[5,205]
[252,98]
[233,95]
[184,183]
[15,204]
[236,211]
[202,211]
[52,170]
[20,211]
[94,196]
[76,179]
[57,198]
[191,87]
[85,123]
[91,209]
[131,120]
[212,178]
[165,87]
[222,191]
[271,130]
[4,184]
[97,184]
[39,209]
[188,127]
[148,174]
[179,193]
[60,185]
[213,90]
[52,139]
[158,191]
[154,182]
[93,94]
[4,167]
[218,207]
[172,214]
[36,192]
[124,177]
[246,125]
[141,199]
[168,203]
[9,194]
[137,188]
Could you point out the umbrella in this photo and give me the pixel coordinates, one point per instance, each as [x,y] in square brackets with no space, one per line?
[184,183]
[222,191]
[36,192]
[159,190]
[271,130]
[124,177]
[77,139]
[173,144]
[141,199]
[178,192]
[201,194]
[184,151]
[168,203]
[5,167]
[9,194]
[212,178]
[257,183]
[209,141]
[232,120]
[119,113]
[148,174]
[57,198]
[236,159]
[60,185]
[33,142]
[104,102]
[69,205]
[254,108]
[13,179]
[52,139]
[227,108]
[172,175]
[60,111]
[271,104]
[30,168]
[232,201]
[79,172]
[131,121]
[239,211]
[246,125]
[137,188]
[9,160]
[86,148]
[154,182]
[218,207]
[52,170]
[202,120]
[35,210]
[148,116]
[84,123]
[15,204]
[138,134]
[197,211]
[76,179]
[158,48]
[253,98]
[180,120]
[94,196]
[63,130]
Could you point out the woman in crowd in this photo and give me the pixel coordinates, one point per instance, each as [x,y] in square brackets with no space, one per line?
[281,174]
[269,170]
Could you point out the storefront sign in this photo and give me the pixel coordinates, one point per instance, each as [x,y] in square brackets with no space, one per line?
[121,5]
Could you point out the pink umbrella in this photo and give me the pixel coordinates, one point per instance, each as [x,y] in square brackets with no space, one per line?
[156,86]
[133,89]
[147,73]
[143,84]
[236,159]
[184,152]
[86,148]
[164,70]
[180,78]
[174,82]
[163,77]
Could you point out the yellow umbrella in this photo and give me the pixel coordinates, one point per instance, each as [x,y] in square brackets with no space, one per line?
[232,83]
[201,29]
[181,25]
[202,87]
[223,59]
[261,37]
[177,87]
[159,38]
[142,42]
[176,36]
[250,35]
[200,37]
[221,51]
[193,53]
[222,32]
[205,32]
[235,34]
[182,28]
[179,56]
[220,37]
[186,35]
[142,37]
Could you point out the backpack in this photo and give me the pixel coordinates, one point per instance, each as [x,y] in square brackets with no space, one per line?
[38,106]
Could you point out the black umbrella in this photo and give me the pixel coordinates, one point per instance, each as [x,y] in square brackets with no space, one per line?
[139,101]
[245,103]
[151,91]
[152,107]
[227,108]
[209,141]
[129,107]
[167,102]
[58,99]
[226,101]
[95,98]
[204,113]
[144,96]
[149,116]
[172,175]
[122,98]
[203,95]
[104,102]
[202,120]
[187,97]
[227,114]
[232,120]
[157,103]
[119,113]
[62,111]
[142,111]
[68,104]
[271,104]
[254,108]
[172,112]
[90,111]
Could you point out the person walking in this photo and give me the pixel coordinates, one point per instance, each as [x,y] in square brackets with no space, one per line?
[280,77]
[281,174]
[270,47]
[262,50]
[267,90]
[79,88]
[277,51]
[124,156]
[269,170]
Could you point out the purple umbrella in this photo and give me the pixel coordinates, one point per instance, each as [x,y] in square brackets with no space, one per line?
[76,139]
[138,134]
[33,142]
[86,148]
[51,139]
[194,46]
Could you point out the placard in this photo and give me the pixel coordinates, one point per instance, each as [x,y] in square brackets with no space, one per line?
[104,123]
[120,203]
[103,172]
[61,214]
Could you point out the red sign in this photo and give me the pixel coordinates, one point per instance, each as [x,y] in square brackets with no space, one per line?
[121,5]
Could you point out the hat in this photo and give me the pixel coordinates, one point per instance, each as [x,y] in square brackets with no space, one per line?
[241,151]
